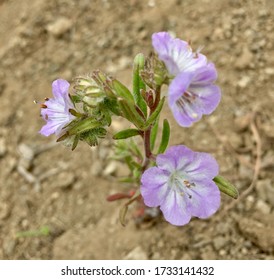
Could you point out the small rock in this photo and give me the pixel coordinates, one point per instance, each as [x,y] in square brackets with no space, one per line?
[136,254]
[55,195]
[249,202]
[222,252]
[244,60]
[261,234]
[59,27]
[9,246]
[64,180]
[26,151]
[242,122]
[110,168]
[244,81]
[218,34]
[263,207]
[269,71]
[5,210]
[265,190]
[208,253]
[219,242]
[245,172]
[3,148]
[236,140]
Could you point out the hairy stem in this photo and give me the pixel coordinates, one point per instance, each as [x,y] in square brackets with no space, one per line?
[147,133]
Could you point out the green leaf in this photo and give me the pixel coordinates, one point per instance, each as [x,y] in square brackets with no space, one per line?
[122,91]
[226,187]
[165,137]
[127,133]
[138,84]
[155,114]
[131,114]
[153,134]
[83,125]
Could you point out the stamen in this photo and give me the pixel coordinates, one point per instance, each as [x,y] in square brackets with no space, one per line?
[188,184]
[44,106]
[46,99]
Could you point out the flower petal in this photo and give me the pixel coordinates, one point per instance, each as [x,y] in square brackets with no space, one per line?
[162,42]
[178,86]
[154,186]
[60,89]
[175,209]
[209,97]
[205,199]
[203,166]
[176,54]
[205,75]
[51,127]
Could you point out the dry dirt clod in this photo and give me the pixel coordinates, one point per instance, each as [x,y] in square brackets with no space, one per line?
[262,207]
[59,27]
[136,254]
[3,148]
[260,234]
[245,59]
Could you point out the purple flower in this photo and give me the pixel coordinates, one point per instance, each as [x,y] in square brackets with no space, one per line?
[176,54]
[181,184]
[55,111]
[193,94]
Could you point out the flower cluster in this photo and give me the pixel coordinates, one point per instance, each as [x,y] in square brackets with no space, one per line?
[192,92]
[183,183]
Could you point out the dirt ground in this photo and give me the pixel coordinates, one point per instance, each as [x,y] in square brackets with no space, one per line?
[46,186]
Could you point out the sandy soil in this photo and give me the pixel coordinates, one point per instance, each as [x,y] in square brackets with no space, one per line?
[43,185]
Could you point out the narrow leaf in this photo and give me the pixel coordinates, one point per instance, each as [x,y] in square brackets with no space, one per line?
[155,114]
[122,91]
[127,133]
[138,84]
[226,187]
[130,113]
[153,134]
[165,137]
[84,125]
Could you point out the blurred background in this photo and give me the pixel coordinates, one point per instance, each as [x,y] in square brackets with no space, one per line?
[53,201]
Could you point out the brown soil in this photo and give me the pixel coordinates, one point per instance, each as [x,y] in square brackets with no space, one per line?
[47,185]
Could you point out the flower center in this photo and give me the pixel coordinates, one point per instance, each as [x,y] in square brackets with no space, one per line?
[187,97]
[185,103]
[181,185]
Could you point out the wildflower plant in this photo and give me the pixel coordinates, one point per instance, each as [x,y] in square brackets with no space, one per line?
[181,182]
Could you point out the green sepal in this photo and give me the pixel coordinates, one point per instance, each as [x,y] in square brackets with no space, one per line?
[131,114]
[75,142]
[75,98]
[111,104]
[91,136]
[155,114]
[75,113]
[165,137]
[138,84]
[121,90]
[83,126]
[127,133]
[226,187]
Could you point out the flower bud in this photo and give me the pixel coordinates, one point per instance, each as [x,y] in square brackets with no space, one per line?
[155,73]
